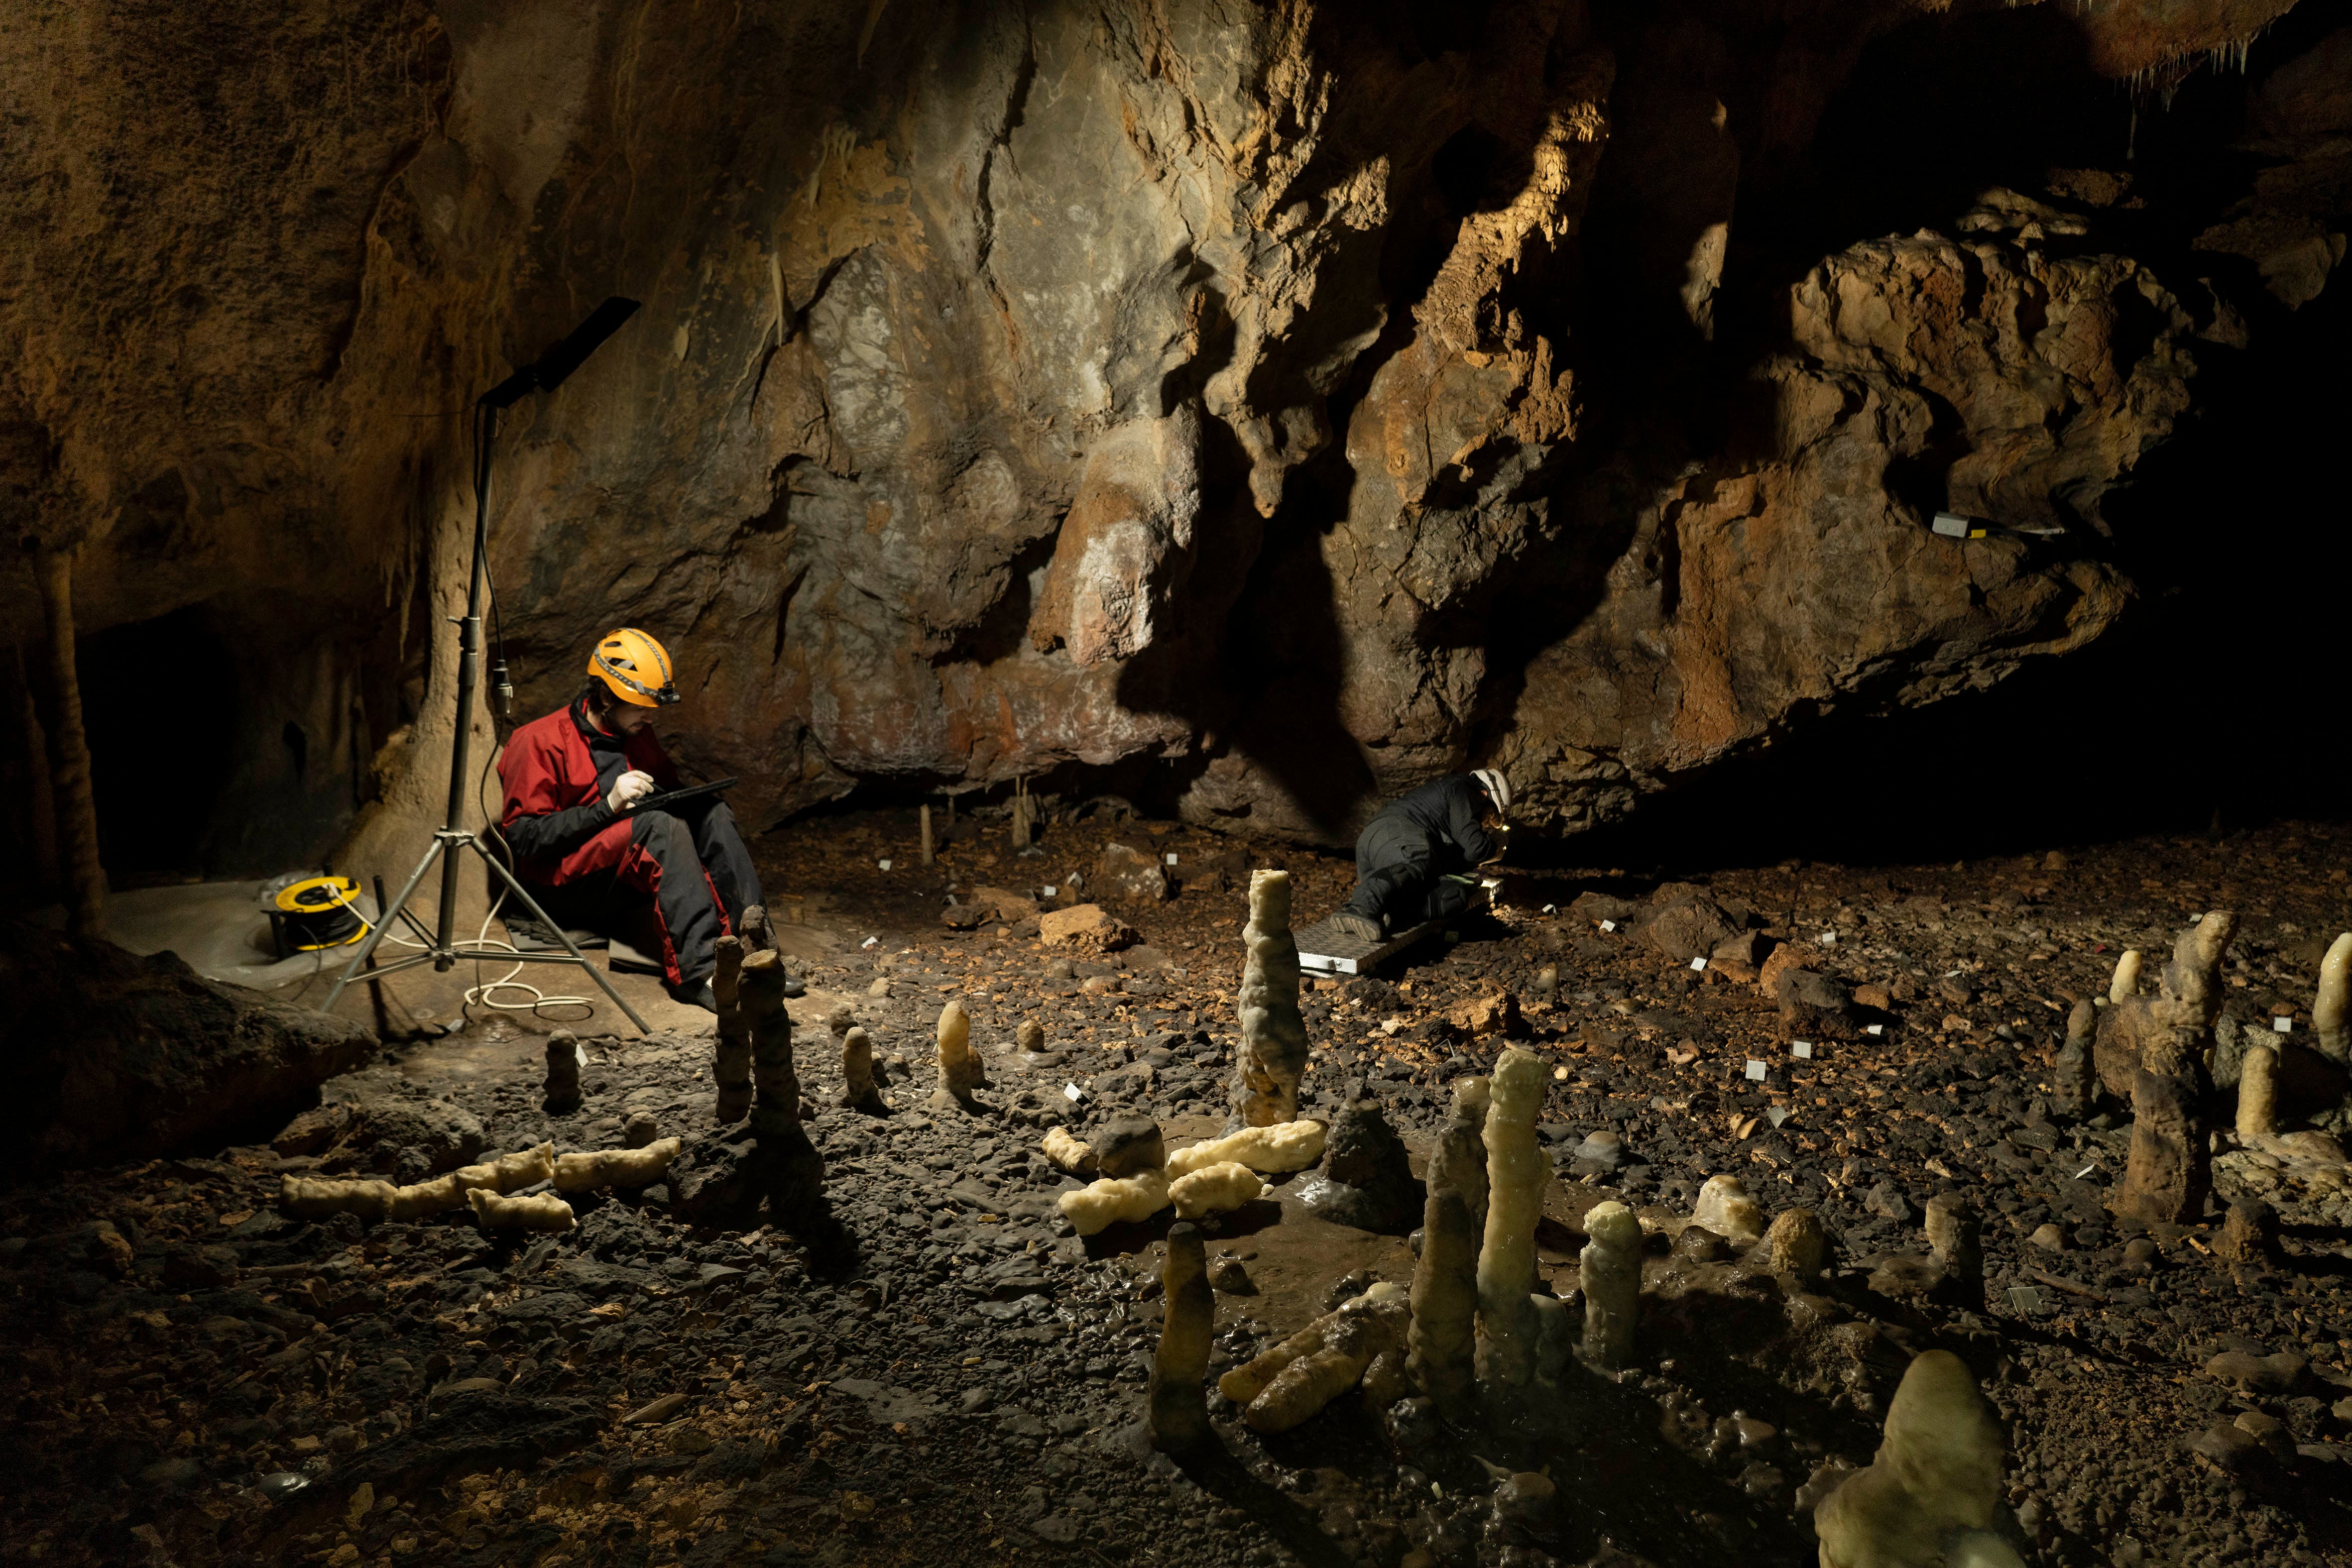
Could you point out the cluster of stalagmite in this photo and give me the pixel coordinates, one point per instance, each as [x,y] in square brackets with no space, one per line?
[1516,1175]
[1932,1493]
[1273,1055]
[1440,1340]
[1285,1386]
[301,1197]
[2163,1043]
[579,1171]
[959,1067]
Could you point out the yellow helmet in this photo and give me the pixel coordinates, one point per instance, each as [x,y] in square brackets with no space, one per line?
[636,667]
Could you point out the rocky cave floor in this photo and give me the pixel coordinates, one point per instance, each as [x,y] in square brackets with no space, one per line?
[954,1377]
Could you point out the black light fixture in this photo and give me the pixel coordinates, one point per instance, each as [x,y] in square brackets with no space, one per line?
[443,949]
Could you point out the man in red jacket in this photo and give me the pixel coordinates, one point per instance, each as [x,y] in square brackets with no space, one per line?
[573,779]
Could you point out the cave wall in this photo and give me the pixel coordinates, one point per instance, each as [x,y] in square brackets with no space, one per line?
[1265,407]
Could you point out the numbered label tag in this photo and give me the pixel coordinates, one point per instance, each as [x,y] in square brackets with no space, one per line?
[1754,1071]
[1802,1049]
[884,864]
[2281,1026]
[1877,1029]
[1608,926]
[1698,963]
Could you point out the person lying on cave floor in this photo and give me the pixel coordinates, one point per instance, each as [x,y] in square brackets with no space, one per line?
[572,781]
[1418,859]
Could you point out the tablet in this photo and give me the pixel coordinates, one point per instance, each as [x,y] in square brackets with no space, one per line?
[667,797]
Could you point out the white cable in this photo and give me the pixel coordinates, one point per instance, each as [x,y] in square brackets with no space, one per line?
[478,994]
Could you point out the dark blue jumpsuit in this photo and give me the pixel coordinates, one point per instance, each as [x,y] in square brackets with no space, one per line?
[1404,854]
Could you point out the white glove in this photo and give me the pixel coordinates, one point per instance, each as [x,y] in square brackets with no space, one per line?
[628,789]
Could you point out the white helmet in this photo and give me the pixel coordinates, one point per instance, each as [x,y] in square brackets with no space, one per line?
[1497,788]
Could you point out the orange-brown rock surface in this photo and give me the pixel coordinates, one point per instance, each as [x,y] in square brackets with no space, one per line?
[1036,391]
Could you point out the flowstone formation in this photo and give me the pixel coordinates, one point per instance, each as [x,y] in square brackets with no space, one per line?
[1273,1054]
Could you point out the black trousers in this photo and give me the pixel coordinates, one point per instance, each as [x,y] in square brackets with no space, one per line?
[697,848]
[1401,878]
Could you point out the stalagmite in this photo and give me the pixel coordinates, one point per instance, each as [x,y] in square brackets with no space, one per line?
[1473,1098]
[776,1105]
[2258,1094]
[565,1058]
[1244,1383]
[732,1062]
[1609,1270]
[1936,1474]
[1289,1383]
[304,1199]
[1441,1343]
[538,1211]
[1799,1245]
[1954,1237]
[1103,1203]
[1029,1037]
[1177,1403]
[1556,1337]
[1072,1154]
[2167,1173]
[927,834]
[584,1170]
[2074,1076]
[1273,1055]
[860,1091]
[301,1197]
[787,1165]
[426,1199]
[959,1068]
[2125,984]
[1517,1175]
[1288,1146]
[1214,1189]
[2328,1008]
[523,1169]
[1724,1208]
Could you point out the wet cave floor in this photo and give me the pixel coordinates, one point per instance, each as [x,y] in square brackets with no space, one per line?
[940,1372]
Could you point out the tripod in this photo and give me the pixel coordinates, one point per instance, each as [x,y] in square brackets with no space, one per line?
[452,840]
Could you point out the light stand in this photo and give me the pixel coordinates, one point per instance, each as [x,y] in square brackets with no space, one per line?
[445,950]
